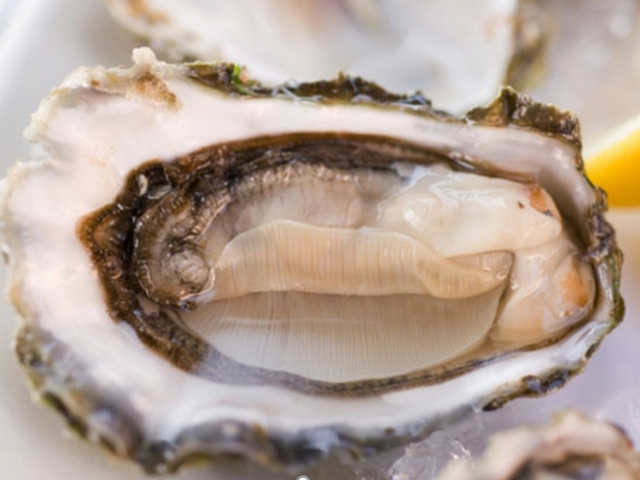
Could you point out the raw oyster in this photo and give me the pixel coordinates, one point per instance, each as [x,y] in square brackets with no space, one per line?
[208,266]
[457,51]
[572,447]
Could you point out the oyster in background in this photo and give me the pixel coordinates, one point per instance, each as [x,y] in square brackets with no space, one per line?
[572,447]
[456,51]
[590,62]
[207,266]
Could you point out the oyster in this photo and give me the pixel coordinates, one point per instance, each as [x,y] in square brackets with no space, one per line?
[457,51]
[205,265]
[572,447]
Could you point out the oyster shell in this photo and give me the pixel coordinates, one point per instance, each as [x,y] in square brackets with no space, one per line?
[208,266]
[573,446]
[457,51]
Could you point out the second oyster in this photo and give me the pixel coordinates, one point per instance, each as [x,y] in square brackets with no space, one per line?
[457,51]
[572,447]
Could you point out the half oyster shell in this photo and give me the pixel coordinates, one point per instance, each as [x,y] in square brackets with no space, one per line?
[209,266]
[572,447]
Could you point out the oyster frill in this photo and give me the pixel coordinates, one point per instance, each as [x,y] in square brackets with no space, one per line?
[206,265]
[572,447]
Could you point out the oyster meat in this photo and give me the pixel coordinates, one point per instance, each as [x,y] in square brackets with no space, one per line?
[457,51]
[206,265]
[572,447]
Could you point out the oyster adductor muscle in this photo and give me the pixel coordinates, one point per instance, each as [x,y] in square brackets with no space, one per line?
[206,265]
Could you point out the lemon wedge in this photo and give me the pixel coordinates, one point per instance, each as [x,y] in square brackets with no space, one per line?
[614,164]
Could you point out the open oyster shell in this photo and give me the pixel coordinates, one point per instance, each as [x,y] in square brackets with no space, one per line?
[159,257]
[573,446]
[400,44]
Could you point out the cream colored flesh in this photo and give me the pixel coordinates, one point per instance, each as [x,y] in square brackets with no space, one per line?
[290,256]
[339,338]
[347,275]
[550,289]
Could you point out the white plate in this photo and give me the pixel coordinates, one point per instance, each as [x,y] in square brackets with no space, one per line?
[45,40]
